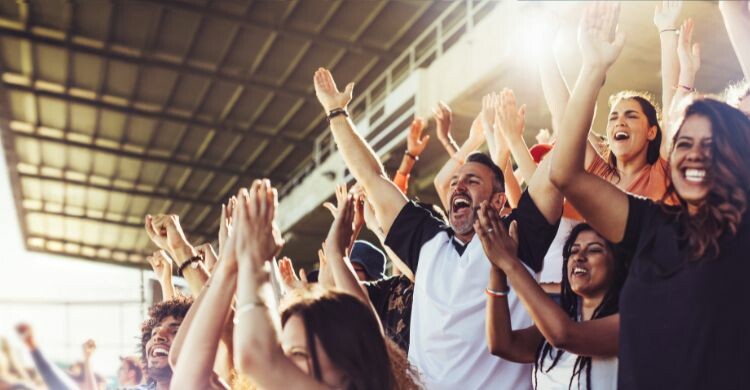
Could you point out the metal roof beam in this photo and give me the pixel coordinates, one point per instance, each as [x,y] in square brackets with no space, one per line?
[134,110]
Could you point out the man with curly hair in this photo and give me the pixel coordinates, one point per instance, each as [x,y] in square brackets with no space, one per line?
[157,334]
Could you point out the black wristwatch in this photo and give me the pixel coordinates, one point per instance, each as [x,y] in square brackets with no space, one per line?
[336,112]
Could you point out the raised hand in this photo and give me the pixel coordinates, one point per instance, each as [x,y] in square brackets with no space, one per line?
[325,276]
[89,347]
[689,54]
[26,333]
[161,264]
[500,245]
[510,120]
[666,14]
[489,102]
[598,37]
[340,235]
[289,279]
[208,254]
[328,94]
[443,120]
[165,231]
[415,143]
[225,221]
[258,239]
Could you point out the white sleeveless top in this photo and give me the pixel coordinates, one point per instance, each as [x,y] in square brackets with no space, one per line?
[603,373]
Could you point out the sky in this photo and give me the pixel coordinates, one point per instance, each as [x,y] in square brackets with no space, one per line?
[66,300]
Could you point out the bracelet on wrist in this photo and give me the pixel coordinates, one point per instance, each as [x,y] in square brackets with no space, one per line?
[668,30]
[246,308]
[685,87]
[411,156]
[193,262]
[336,112]
[495,293]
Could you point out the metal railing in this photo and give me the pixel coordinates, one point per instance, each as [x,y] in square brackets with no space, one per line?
[456,20]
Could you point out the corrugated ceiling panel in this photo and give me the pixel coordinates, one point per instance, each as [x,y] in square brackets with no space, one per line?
[189,91]
[268,11]
[349,18]
[75,196]
[32,188]
[55,226]
[350,65]
[174,176]
[251,100]
[121,78]
[316,56]
[35,223]
[9,9]
[82,118]
[53,192]
[117,203]
[104,164]
[140,130]
[90,233]
[87,71]
[53,155]
[53,112]
[277,60]
[151,173]
[214,36]
[277,110]
[129,168]
[155,85]
[73,229]
[392,18]
[196,181]
[91,19]
[128,238]
[138,206]
[130,11]
[79,159]
[22,106]
[194,141]
[220,145]
[248,146]
[217,99]
[48,13]
[307,115]
[308,15]
[176,29]
[246,49]
[28,151]
[111,124]
[110,235]
[11,54]
[51,63]
[168,135]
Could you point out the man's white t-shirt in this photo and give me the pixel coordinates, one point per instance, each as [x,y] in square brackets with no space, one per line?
[447,344]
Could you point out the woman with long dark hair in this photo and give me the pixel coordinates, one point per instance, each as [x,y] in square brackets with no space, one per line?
[683,322]
[574,344]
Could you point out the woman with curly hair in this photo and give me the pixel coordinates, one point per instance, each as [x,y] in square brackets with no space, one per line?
[682,318]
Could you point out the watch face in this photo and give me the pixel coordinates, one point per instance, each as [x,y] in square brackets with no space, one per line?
[194,265]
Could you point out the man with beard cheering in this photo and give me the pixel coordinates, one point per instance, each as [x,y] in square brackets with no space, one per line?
[448,315]
[157,334]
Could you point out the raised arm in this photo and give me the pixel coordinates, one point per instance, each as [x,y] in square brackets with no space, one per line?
[443,121]
[361,160]
[602,204]
[589,338]
[53,377]
[89,379]
[202,329]
[689,55]
[518,346]
[415,145]
[665,20]
[443,177]
[161,264]
[736,15]
[258,353]
[166,232]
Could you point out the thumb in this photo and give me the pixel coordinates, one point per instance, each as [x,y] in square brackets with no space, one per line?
[426,139]
[697,50]
[303,275]
[349,89]
[514,231]
[522,111]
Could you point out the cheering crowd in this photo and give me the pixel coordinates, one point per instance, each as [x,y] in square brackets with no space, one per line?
[578,263]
